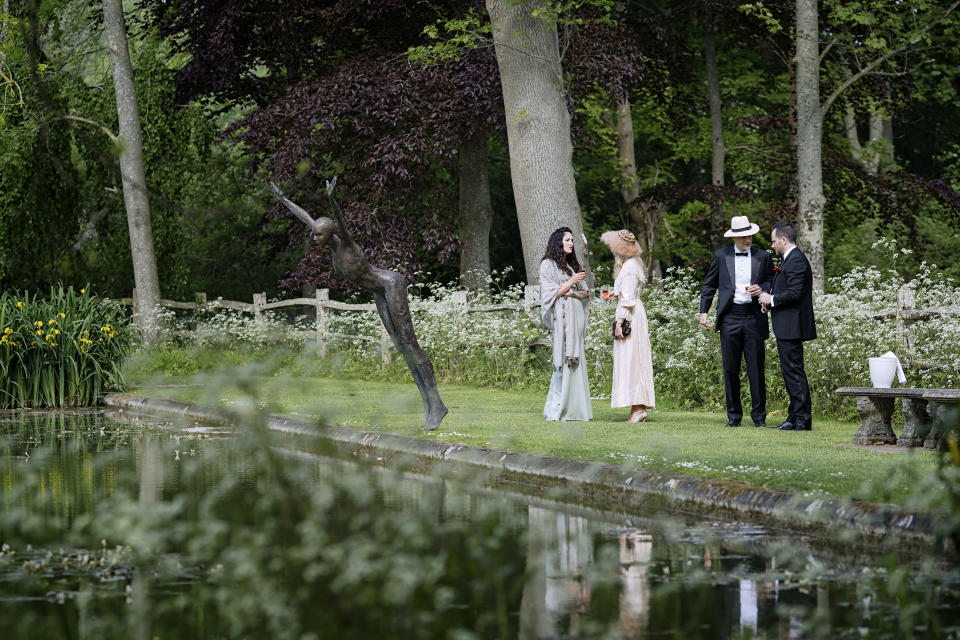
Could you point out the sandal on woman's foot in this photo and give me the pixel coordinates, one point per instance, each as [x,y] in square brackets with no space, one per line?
[639,416]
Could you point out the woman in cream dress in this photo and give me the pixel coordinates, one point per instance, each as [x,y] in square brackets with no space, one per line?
[632,357]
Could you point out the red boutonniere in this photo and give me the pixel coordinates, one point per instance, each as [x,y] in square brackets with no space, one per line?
[777,270]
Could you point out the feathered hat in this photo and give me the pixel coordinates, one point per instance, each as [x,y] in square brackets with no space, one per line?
[622,243]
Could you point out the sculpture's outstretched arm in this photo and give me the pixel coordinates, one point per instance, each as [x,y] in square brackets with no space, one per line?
[338,214]
[297,210]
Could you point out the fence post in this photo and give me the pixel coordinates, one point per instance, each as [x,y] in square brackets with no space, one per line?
[531,298]
[459,299]
[259,299]
[322,296]
[385,344]
[201,299]
[906,302]
[459,324]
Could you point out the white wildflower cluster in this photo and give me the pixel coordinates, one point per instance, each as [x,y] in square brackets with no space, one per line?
[686,357]
[360,332]
[214,326]
[476,346]
[509,348]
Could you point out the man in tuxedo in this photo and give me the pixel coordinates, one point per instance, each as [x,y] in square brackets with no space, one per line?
[790,301]
[737,275]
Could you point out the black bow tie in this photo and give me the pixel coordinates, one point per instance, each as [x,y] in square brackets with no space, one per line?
[745,253]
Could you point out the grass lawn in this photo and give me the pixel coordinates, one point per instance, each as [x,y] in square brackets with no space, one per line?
[678,441]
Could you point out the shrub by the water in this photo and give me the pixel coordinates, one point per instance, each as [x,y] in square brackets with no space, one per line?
[62,351]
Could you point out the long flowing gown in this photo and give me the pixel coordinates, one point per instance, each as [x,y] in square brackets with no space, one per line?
[569,394]
[632,357]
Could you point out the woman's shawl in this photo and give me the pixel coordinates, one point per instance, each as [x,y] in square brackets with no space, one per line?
[558,314]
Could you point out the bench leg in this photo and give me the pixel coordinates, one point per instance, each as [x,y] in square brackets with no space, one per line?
[938,415]
[874,421]
[916,423]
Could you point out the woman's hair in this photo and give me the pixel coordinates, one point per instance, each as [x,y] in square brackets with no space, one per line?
[619,260]
[554,251]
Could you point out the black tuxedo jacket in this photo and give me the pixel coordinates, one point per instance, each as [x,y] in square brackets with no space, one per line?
[792,289]
[721,279]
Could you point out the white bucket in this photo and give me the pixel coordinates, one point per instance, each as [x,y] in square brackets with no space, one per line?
[882,371]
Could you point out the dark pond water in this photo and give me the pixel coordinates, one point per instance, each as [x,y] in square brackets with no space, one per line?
[136,530]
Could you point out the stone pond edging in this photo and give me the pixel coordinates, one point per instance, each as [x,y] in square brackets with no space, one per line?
[616,486]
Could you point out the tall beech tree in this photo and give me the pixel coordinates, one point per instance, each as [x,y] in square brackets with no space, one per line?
[810,199]
[476,212]
[147,312]
[890,41]
[597,57]
[538,128]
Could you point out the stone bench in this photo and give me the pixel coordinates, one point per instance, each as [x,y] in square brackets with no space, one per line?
[924,411]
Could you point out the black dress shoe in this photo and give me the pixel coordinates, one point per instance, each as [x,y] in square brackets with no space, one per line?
[802,426]
[787,426]
[733,423]
[760,424]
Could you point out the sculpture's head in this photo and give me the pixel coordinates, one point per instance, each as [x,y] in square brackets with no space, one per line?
[323,228]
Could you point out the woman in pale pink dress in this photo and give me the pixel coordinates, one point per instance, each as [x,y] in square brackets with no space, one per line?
[632,358]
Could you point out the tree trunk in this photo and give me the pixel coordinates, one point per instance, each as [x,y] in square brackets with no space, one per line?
[792,190]
[888,138]
[645,215]
[810,198]
[881,142]
[878,152]
[629,185]
[538,129]
[853,137]
[871,159]
[131,171]
[476,214]
[6,20]
[717,224]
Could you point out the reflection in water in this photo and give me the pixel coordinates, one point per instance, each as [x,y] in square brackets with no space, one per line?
[232,539]
[556,593]
[748,605]
[150,476]
[636,552]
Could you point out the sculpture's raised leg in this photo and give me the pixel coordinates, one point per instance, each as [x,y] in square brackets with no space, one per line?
[394,311]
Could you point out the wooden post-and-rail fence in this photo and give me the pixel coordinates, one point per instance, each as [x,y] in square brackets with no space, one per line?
[905,314]
[321,303]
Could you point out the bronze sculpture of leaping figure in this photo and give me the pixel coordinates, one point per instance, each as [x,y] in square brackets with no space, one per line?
[389,290]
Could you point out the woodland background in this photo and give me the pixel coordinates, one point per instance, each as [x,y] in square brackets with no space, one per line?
[682,114]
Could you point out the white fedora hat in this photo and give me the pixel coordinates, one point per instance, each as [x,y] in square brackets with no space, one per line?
[740,226]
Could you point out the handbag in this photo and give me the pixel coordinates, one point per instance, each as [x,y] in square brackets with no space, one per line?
[625,329]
